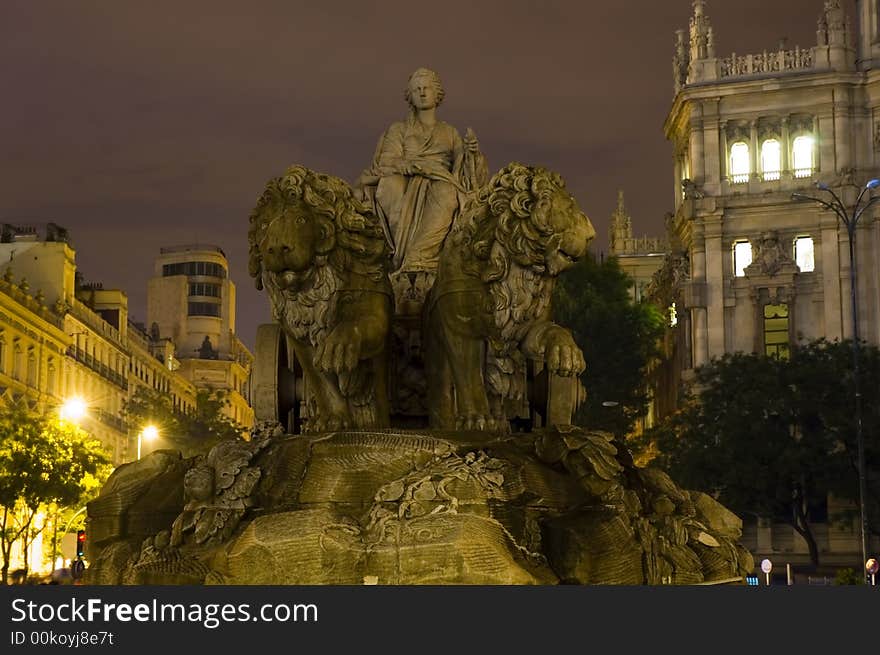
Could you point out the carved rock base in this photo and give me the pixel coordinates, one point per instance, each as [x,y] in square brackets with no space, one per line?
[559,505]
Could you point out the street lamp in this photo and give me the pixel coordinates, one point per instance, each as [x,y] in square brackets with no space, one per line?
[149,433]
[850,220]
[73,410]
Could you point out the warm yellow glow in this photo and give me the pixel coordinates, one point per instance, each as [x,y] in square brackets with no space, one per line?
[802,156]
[739,162]
[73,409]
[804,255]
[742,257]
[771,159]
[673,315]
[149,433]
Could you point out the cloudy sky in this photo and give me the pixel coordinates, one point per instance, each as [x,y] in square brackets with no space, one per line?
[140,124]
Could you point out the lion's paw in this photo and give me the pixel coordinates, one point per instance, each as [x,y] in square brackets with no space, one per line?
[470,422]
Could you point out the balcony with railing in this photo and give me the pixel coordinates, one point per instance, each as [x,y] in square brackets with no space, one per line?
[111,420]
[100,368]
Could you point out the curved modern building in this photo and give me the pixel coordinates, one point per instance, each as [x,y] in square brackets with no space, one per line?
[191,301]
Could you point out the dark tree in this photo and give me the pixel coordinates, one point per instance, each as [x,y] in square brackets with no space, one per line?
[773,437]
[619,337]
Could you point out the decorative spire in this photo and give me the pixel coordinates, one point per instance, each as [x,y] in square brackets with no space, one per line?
[701,33]
[835,19]
[621,226]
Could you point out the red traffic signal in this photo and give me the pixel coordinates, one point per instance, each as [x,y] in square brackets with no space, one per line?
[80,542]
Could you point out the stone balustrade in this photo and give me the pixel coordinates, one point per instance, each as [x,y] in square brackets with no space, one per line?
[766,62]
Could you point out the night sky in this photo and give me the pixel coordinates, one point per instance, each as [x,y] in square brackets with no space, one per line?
[142,124]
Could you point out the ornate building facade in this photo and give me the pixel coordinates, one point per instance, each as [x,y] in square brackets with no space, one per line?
[62,339]
[751,269]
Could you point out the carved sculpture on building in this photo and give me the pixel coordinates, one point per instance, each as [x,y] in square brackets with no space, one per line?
[322,258]
[492,294]
[770,257]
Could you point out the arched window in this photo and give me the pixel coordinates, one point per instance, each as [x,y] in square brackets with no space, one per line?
[771,159]
[739,162]
[802,156]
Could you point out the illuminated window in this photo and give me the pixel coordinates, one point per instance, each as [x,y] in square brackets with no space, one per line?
[802,156]
[771,159]
[803,254]
[742,257]
[739,162]
[776,330]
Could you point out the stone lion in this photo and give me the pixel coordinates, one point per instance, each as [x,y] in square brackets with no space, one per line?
[489,309]
[323,258]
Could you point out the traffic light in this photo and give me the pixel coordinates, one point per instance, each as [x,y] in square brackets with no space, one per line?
[80,542]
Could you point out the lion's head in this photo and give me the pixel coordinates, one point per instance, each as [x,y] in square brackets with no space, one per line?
[525,216]
[517,235]
[305,220]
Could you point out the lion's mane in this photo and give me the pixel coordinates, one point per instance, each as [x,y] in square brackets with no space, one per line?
[359,247]
[505,229]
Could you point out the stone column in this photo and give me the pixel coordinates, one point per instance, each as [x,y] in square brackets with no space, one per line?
[711,160]
[699,316]
[714,286]
[698,164]
[842,136]
[724,154]
[786,149]
[826,151]
[753,150]
[831,278]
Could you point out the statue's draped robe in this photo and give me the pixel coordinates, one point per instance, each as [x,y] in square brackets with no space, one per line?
[419,208]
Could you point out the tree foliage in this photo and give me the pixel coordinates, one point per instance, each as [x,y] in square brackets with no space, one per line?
[192,432]
[773,437]
[618,336]
[43,461]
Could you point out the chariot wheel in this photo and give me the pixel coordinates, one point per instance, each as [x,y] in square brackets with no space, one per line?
[278,380]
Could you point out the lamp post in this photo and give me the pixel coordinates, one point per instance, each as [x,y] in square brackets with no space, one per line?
[149,433]
[850,219]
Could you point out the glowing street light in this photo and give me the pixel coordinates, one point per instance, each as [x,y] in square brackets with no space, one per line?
[73,410]
[149,433]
